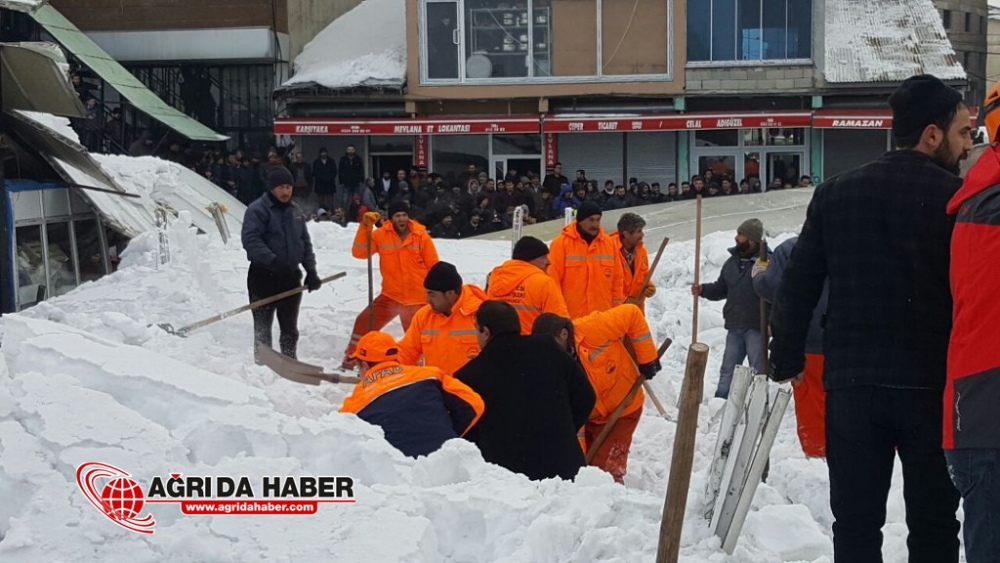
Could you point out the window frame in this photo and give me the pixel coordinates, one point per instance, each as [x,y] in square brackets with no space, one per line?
[946,19]
[597,77]
[756,62]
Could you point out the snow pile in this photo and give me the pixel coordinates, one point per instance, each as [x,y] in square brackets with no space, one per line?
[180,188]
[364,47]
[56,124]
[89,377]
[886,41]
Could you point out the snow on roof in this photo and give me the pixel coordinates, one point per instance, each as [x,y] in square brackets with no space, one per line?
[886,41]
[364,47]
[27,6]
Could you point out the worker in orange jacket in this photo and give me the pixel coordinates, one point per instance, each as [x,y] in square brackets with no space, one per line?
[443,332]
[633,259]
[523,283]
[406,252]
[585,266]
[418,408]
[596,341]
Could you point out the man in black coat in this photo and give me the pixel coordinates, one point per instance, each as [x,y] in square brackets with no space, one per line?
[537,398]
[553,182]
[351,173]
[881,237]
[325,179]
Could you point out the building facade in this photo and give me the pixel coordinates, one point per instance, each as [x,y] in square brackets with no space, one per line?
[769,90]
[967,25]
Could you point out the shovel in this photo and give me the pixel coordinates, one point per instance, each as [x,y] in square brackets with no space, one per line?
[256,304]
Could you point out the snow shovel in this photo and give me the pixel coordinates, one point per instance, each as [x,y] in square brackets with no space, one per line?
[294,370]
[256,304]
[371,285]
[640,298]
[603,435]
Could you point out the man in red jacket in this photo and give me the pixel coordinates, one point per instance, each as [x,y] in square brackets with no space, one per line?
[972,391]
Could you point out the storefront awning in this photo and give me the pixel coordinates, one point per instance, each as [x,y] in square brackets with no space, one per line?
[119,78]
[674,122]
[832,118]
[442,126]
[33,80]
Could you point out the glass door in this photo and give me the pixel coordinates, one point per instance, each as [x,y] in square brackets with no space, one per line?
[443,40]
[516,166]
[784,169]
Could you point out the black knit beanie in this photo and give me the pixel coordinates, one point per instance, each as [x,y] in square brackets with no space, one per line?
[279,177]
[587,209]
[398,206]
[443,277]
[529,248]
[919,101]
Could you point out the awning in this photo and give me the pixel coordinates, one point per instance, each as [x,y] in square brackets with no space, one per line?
[120,79]
[441,126]
[833,118]
[674,122]
[33,80]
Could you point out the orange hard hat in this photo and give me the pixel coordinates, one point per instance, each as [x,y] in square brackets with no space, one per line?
[376,347]
[991,112]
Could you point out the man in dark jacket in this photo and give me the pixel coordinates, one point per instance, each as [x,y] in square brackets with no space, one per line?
[880,235]
[742,309]
[554,182]
[277,242]
[810,400]
[351,174]
[325,179]
[537,398]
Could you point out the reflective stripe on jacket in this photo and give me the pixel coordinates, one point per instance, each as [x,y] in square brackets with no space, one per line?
[589,275]
[402,263]
[528,289]
[445,342]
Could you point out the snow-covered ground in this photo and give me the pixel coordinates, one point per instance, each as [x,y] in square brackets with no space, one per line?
[85,378]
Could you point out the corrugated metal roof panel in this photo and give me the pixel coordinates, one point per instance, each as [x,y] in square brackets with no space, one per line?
[886,41]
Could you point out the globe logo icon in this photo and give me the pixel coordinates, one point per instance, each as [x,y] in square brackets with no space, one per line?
[122,498]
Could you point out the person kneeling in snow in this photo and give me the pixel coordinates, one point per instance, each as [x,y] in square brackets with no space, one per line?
[418,408]
[537,398]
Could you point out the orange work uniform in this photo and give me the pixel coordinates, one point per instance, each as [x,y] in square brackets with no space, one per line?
[444,341]
[403,264]
[588,274]
[634,274]
[599,347]
[528,289]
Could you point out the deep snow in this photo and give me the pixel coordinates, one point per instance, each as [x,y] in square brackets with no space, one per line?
[86,379]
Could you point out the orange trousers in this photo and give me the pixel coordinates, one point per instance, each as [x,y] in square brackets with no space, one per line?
[810,407]
[612,456]
[385,310]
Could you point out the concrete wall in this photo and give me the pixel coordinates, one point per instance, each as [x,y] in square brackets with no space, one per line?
[756,79]
[306,18]
[143,15]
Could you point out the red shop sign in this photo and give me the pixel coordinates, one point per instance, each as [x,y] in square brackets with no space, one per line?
[449,126]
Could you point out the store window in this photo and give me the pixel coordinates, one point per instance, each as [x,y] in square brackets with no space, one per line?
[749,30]
[62,270]
[453,155]
[31,282]
[517,144]
[771,157]
[475,41]
[717,138]
[88,249]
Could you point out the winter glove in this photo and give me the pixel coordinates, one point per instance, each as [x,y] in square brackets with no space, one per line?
[312,281]
[369,219]
[649,290]
[785,365]
[759,267]
[650,370]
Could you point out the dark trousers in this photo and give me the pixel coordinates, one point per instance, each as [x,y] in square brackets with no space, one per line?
[262,283]
[865,428]
[977,475]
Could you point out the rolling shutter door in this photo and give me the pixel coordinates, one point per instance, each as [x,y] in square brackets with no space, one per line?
[846,149]
[600,154]
[652,157]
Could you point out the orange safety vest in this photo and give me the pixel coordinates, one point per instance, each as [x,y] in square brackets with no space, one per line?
[445,342]
[589,275]
[402,263]
[528,289]
[604,357]
[632,281]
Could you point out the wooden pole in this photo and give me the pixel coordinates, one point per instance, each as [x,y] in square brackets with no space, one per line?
[682,458]
[371,284]
[764,365]
[697,267]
